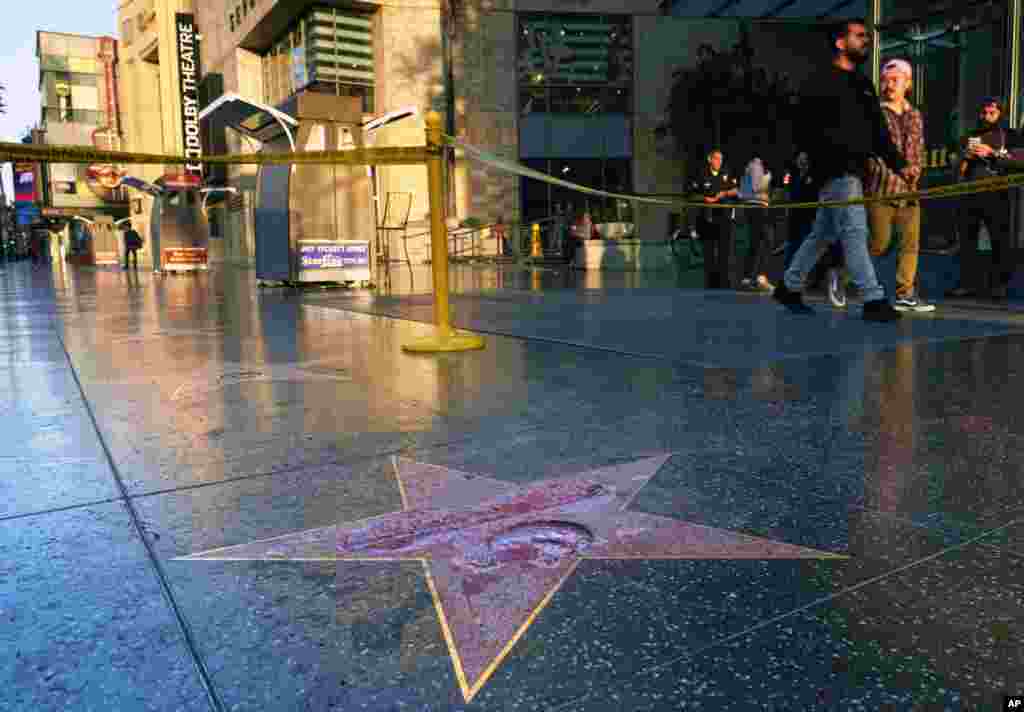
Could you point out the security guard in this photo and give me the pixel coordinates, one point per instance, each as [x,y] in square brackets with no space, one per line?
[715,227]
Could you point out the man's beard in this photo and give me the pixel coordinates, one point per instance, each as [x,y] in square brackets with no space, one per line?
[986,124]
[859,56]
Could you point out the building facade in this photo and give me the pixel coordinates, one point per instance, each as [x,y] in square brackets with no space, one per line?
[80,106]
[575,89]
[160,61]
[498,71]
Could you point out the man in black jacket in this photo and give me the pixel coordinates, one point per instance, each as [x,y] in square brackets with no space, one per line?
[843,128]
[985,155]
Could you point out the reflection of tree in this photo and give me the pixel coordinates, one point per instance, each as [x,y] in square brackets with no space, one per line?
[726,100]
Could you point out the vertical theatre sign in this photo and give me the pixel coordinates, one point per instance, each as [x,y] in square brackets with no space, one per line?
[188,71]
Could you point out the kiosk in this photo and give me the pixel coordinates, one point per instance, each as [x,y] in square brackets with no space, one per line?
[178,230]
[313,223]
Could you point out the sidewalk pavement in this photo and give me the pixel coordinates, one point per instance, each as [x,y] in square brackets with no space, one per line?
[638,497]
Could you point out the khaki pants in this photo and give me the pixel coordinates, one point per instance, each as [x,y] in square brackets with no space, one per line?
[906,216]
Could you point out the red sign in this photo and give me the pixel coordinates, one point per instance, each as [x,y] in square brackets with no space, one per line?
[24,182]
[184,256]
[181,181]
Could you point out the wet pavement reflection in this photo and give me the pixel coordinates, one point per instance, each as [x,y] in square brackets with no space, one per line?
[640,496]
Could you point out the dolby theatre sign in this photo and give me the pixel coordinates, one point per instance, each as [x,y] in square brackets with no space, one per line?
[188,72]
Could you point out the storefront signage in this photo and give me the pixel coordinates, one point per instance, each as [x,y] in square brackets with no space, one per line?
[184,257]
[24,182]
[334,255]
[188,72]
[180,181]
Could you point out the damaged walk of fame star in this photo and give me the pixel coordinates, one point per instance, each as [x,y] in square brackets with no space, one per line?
[495,553]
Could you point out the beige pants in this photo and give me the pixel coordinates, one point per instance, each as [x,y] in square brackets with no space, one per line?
[906,216]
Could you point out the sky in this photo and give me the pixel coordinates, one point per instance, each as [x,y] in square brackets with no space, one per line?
[19,68]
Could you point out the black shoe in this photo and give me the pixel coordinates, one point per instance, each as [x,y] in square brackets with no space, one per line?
[961,292]
[880,310]
[793,301]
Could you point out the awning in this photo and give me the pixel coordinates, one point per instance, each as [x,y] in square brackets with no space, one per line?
[259,121]
[768,9]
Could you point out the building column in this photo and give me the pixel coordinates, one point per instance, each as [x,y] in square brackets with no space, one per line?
[876,43]
[1014,47]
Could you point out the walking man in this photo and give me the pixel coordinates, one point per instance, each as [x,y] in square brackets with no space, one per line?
[984,151]
[906,129]
[132,245]
[843,128]
[714,227]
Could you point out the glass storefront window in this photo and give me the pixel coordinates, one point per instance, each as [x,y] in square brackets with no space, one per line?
[327,50]
[541,200]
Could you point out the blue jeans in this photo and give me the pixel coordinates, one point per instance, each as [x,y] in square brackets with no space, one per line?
[847,225]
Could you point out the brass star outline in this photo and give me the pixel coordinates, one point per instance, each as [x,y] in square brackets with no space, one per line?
[511,547]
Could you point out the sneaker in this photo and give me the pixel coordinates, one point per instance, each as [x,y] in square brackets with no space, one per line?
[912,304]
[880,310]
[836,287]
[793,301]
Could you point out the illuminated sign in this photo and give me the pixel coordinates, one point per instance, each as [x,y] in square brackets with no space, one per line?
[334,255]
[188,87]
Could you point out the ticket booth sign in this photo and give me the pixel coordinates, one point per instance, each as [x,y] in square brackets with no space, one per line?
[346,261]
[184,259]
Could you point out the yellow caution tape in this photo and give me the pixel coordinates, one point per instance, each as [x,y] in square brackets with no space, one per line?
[396,155]
[412,155]
[985,185]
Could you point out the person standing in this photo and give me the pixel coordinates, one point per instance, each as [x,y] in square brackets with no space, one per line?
[842,129]
[715,226]
[800,188]
[132,245]
[755,188]
[906,129]
[983,149]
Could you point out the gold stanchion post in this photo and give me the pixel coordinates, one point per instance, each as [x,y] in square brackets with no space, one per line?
[445,338]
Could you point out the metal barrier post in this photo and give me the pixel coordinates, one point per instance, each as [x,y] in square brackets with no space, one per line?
[536,249]
[445,339]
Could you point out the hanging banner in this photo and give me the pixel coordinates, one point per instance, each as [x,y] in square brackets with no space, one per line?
[188,90]
[24,182]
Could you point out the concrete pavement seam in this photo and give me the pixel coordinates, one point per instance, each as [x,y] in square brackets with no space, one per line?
[165,587]
[53,510]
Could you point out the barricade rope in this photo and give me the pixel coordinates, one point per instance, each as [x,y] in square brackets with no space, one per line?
[985,185]
[85,154]
[409,155]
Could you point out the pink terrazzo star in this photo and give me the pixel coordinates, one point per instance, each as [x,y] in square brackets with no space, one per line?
[495,553]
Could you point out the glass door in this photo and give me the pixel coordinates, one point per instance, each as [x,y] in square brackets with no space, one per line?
[958,58]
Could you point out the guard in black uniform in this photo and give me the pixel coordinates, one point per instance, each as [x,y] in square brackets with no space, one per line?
[986,151]
[715,227]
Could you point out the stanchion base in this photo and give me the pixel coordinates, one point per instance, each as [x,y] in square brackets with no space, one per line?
[445,343]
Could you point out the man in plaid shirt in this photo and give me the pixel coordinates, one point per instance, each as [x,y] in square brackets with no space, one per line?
[906,128]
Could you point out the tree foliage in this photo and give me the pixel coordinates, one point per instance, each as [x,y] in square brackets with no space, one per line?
[729,101]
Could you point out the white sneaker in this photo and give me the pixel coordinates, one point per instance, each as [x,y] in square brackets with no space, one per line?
[912,304]
[836,289]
